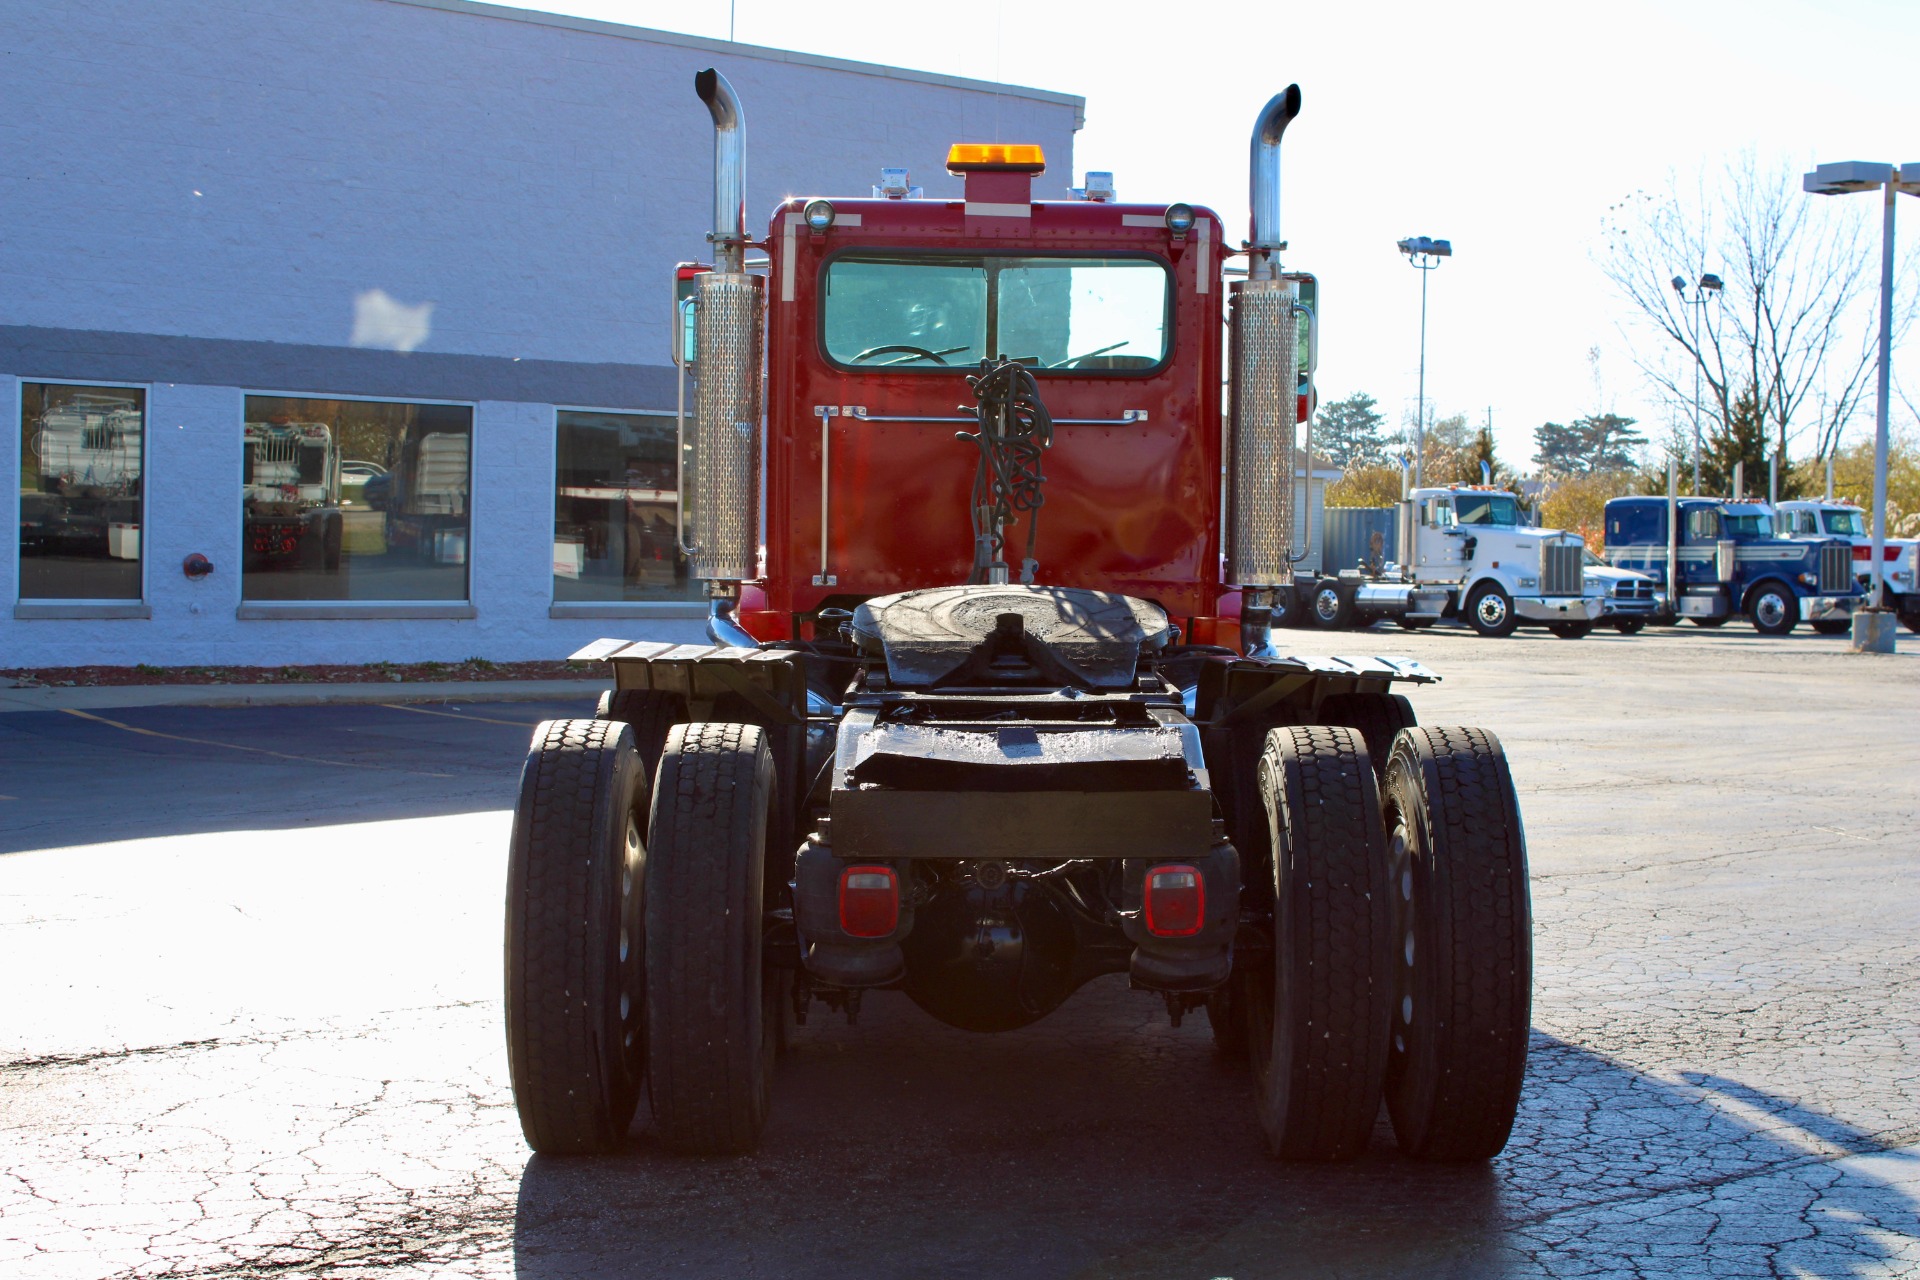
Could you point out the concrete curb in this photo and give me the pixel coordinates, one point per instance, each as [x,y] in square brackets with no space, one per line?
[102,697]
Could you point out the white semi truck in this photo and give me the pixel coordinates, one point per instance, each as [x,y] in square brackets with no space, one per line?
[1900,563]
[1465,553]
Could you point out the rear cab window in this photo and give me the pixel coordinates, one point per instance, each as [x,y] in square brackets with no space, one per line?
[1059,314]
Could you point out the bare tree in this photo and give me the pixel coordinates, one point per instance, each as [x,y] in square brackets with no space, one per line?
[1793,322]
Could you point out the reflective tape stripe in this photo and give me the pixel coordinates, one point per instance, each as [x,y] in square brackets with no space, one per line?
[979,209]
[1203,261]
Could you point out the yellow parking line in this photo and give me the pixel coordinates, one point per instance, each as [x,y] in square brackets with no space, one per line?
[454,715]
[257,751]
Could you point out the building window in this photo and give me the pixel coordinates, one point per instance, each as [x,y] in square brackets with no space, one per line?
[355,500]
[613,511]
[82,464]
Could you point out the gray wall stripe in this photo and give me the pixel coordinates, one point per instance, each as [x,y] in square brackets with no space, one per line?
[85,354]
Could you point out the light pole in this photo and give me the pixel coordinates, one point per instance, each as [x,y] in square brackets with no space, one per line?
[1839,179]
[1425,253]
[1708,286]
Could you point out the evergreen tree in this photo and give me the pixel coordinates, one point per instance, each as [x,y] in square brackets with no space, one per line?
[1347,432]
[1598,442]
[1741,438]
[1480,450]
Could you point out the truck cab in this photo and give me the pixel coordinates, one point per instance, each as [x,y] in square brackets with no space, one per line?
[1505,571]
[1900,557]
[1467,552]
[1720,559]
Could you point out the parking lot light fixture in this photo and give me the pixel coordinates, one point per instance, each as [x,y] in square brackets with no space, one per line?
[1425,253]
[1707,287]
[1843,178]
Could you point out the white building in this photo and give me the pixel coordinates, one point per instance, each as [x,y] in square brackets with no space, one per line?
[366,302]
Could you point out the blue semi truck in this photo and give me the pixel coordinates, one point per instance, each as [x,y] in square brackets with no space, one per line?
[1728,563]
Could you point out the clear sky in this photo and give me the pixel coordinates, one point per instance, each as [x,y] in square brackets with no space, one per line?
[1508,128]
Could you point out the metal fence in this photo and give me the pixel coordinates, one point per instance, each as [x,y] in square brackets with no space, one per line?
[1349,536]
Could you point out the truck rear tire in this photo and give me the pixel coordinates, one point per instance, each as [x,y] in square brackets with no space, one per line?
[1571,630]
[1629,626]
[1376,717]
[1463,952]
[1317,1017]
[575,986]
[1490,612]
[1329,608]
[711,1033]
[1774,608]
[1832,626]
[650,713]
[1708,623]
[1911,620]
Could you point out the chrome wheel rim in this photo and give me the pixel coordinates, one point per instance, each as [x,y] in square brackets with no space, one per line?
[1327,604]
[629,935]
[1770,609]
[1492,610]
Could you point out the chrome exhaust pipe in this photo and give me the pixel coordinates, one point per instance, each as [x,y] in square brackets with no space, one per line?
[728,309]
[1673,536]
[724,628]
[1263,236]
[729,234]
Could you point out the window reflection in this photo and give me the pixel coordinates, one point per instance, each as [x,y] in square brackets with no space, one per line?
[613,526]
[81,470]
[355,500]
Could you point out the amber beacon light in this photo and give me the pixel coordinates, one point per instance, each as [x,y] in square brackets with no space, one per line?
[1005,157]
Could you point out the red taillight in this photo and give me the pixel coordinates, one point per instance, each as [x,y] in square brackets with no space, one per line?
[869,901]
[1176,901]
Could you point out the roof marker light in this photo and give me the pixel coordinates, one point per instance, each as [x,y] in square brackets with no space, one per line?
[896,185]
[1099,188]
[819,214]
[1179,218]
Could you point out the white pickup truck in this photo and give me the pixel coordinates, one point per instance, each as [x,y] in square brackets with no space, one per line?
[1900,562]
[1470,557]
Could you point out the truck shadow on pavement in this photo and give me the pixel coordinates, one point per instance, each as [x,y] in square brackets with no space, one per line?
[900,1149]
[172,771]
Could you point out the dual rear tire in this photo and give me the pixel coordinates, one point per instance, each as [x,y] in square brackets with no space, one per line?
[1401,962]
[634,938]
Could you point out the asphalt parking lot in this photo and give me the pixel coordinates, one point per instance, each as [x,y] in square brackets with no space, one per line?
[250,1020]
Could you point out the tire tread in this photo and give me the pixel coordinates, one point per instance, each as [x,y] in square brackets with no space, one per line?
[566,1101]
[707,1070]
[1480,937]
[1335,849]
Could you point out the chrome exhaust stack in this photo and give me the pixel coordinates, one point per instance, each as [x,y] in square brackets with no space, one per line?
[1264,240]
[729,233]
[1265,408]
[729,307]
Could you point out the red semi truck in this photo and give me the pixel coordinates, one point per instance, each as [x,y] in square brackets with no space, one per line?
[995,708]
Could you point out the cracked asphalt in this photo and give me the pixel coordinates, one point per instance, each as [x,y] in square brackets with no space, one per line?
[250,1020]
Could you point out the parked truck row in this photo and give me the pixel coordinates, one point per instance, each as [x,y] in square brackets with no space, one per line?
[1468,552]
